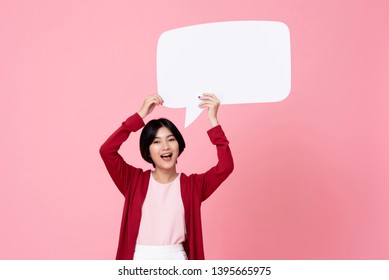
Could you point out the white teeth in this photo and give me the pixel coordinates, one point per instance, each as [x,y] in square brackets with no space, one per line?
[166,155]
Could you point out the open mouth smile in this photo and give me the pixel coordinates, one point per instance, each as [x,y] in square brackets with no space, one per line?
[166,156]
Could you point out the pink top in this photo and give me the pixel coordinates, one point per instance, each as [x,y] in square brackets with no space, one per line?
[163,217]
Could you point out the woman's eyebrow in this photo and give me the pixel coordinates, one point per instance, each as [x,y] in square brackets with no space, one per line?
[157,137]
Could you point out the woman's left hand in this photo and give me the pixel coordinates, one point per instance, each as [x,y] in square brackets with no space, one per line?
[210,101]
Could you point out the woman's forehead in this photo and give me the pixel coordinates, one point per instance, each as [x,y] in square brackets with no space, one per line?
[163,132]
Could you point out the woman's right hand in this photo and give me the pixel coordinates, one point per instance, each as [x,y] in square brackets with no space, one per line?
[149,104]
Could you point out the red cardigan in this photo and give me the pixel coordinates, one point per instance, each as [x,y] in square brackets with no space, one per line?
[133,183]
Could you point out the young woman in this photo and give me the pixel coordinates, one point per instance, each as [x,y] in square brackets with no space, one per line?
[161,216]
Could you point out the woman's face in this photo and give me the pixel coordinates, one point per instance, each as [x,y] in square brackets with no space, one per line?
[164,149]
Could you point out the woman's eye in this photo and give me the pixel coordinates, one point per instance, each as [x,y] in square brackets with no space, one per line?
[156,142]
[172,139]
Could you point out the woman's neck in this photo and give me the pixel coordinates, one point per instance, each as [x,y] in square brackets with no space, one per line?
[164,176]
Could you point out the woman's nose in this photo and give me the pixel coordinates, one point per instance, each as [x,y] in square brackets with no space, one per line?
[165,145]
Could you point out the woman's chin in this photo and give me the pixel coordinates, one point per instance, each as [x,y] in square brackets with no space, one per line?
[166,166]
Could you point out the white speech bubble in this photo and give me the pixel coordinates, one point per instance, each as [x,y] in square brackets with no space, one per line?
[239,61]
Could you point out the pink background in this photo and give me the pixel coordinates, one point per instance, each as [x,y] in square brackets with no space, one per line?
[311,178]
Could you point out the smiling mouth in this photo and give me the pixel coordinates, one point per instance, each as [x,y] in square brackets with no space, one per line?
[166,156]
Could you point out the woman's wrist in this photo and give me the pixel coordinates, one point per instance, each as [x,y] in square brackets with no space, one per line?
[141,114]
[214,122]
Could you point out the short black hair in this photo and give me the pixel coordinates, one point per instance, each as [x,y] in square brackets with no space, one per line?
[150,131]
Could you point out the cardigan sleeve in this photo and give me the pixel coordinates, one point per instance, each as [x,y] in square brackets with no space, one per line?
[213,178]
[120,172]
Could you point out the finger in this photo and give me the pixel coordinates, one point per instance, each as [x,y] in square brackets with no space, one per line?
[159,98]
[153,98]
[213,97]
[150,99]
[209,97]
[205,97]
[210,100]
[207,104]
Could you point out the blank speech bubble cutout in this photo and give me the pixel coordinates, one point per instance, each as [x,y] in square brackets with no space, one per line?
[239,61]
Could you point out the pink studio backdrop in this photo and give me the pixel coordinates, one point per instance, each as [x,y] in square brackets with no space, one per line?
[311,178]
